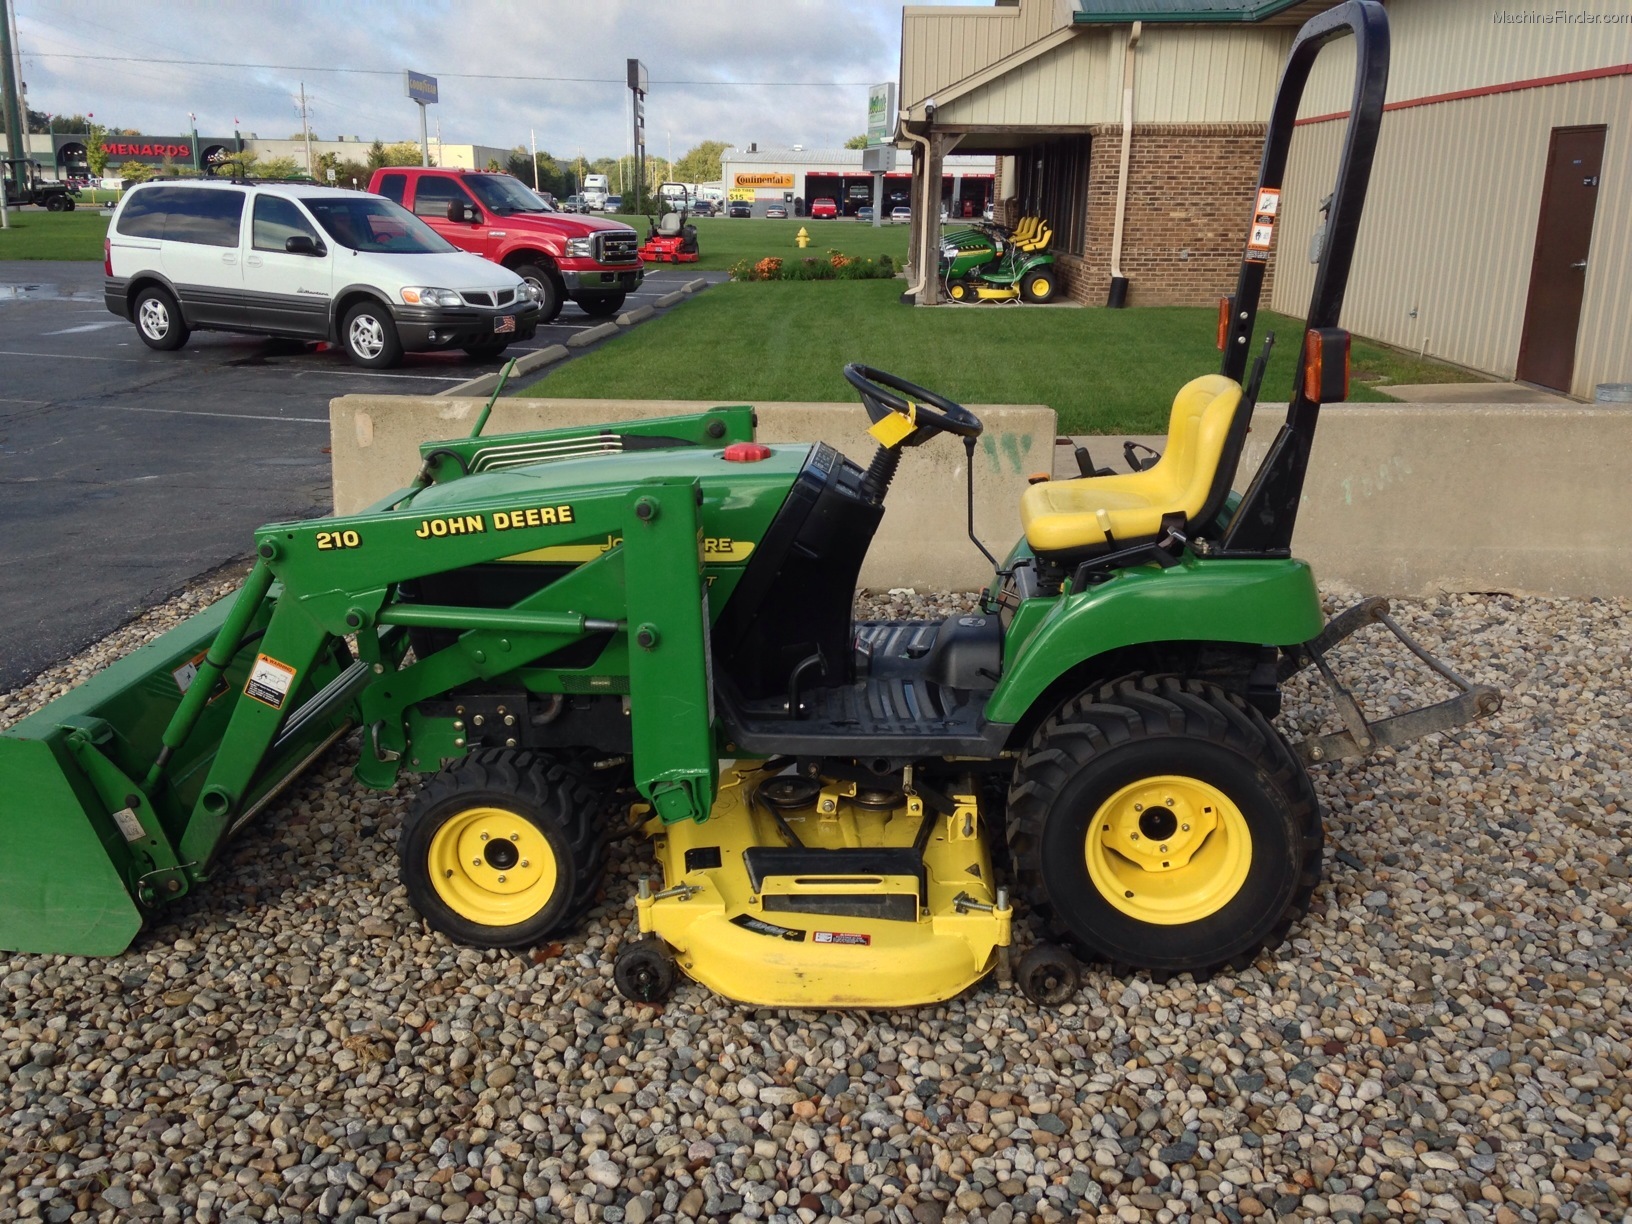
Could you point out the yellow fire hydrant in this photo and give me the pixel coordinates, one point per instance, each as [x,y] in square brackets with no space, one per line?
[803,238]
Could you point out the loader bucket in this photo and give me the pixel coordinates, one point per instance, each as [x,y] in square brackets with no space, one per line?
[86,852]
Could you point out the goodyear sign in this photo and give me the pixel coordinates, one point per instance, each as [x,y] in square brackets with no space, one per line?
[774,178]
[421,88]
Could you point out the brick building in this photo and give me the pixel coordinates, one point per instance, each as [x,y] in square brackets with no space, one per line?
[1068,93]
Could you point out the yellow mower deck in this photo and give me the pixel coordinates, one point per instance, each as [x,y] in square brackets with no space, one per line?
[805,939]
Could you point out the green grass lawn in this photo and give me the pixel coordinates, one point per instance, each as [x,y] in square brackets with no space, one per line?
[1103,371]
[722,241]
[37,234]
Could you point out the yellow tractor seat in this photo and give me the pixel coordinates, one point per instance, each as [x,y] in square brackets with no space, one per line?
[1191,478]
[1038,240]
[1024,229]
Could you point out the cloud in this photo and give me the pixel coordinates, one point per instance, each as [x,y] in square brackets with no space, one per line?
[501,67]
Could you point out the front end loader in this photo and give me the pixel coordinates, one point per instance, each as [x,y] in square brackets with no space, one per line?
[648,625]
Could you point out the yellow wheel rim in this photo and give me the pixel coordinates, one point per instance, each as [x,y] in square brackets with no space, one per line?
[1040,288]
[959,292]
[1168,850]
[492,866]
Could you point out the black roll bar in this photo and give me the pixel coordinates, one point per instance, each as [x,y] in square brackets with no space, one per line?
[1263,521]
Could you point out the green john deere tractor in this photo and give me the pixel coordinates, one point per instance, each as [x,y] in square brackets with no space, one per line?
[989,263]
[652,621]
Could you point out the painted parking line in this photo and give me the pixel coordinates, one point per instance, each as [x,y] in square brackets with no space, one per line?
[76,357]
[460,377]
[85,327]
[230,416]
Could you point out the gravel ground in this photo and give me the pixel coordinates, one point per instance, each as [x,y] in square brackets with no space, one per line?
[1446,1037]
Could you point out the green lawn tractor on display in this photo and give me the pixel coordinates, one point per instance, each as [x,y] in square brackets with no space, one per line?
[648,625]
[987,263]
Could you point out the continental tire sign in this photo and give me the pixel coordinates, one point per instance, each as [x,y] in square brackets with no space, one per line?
[780,180]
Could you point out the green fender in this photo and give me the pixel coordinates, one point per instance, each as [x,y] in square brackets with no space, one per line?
[1261,603]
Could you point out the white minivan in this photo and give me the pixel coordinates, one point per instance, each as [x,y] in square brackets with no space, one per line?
[310,262]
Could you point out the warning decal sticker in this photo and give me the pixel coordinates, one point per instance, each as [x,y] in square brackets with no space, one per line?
[1269,202]
[129,825]
[841,937]
[269,681]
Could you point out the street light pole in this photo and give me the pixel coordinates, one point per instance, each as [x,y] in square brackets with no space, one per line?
[192,119]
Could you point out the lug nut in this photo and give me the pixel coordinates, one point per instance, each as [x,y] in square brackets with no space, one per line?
[484,836]
[1170,803]
[515,837]
[501,879]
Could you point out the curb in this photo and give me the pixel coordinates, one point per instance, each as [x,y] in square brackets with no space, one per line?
[669,299]
[483,385]
[630,317]
[599,332]
[692,286]
[542,358]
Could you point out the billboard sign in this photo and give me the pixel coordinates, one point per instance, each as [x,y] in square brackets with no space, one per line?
[881,113]
[772,179]
[420,88]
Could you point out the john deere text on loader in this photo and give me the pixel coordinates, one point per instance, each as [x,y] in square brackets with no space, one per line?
[651,621]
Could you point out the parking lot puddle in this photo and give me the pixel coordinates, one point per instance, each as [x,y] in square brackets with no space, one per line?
[40,292]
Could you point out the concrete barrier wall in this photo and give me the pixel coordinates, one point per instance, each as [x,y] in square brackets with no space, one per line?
[1409,499]
[922,542]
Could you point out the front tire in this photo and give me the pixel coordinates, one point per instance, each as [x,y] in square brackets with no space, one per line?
[1038,285]
[55,203]
[369,337]
[552,294]
[1163,824]
[158,320]
[602,307]
[504,848]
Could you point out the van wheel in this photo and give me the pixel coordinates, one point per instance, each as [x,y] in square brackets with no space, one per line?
[158,320]
[370,337]
[551,292]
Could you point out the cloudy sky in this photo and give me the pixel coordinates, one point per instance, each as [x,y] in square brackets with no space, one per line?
[777,72]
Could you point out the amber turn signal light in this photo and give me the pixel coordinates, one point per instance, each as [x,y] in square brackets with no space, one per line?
[1325,365]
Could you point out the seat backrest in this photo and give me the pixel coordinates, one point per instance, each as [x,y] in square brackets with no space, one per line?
[669,224]
[1039,238]
[1023,230]
[1204,437]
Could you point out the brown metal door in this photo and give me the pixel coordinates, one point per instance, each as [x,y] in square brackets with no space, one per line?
[1558,273]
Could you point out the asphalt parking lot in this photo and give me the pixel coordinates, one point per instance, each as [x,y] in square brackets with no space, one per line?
[125,472]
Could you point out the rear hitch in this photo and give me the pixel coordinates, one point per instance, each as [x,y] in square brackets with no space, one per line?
[1360,737]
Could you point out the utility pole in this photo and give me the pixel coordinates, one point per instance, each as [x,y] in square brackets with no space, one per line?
[532,135]
[306,131]
[13,97]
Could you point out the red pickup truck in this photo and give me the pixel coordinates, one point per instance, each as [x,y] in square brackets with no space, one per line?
[594,262]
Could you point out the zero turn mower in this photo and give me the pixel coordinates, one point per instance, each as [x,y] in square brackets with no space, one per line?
[670,238]
[651,620]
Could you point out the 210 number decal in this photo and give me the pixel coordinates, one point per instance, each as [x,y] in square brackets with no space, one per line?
[327,540]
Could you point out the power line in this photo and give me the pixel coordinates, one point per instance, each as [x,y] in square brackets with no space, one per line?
[457,76]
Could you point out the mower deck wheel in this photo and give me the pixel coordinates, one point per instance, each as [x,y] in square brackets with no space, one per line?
[644,971]
[1037,286]
[1048,975]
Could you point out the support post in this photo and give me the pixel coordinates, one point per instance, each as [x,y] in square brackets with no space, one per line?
[424,138]
[15,139]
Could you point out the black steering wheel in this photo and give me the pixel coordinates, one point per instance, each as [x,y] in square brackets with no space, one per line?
[931,413]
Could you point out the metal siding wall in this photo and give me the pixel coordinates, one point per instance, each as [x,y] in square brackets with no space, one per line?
[941,46]
[1442,46]
[1063,86]
[1203,74]
[1450,227]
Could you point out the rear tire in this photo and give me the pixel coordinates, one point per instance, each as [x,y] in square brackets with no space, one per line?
[1163,824]
[1038,286]
[158,320]
[55,203]
[551,292]
[504,848]
[602,307]
[369,337]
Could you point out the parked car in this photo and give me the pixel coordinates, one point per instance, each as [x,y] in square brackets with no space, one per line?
[776,212]
[823,209]
[900,213]
[740,208]
[703,208]
[614,204]
[573,204]
[308,262]
[987,213]
[589,260]
[864,213]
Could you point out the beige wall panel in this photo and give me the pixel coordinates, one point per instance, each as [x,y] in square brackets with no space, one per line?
[1202,74]
[1450,227]
[1062,86]
[1441,46]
